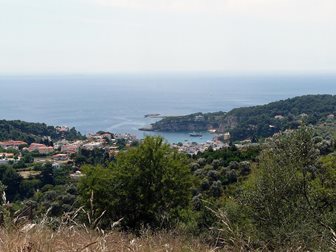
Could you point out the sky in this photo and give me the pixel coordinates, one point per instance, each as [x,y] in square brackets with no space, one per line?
[162,36]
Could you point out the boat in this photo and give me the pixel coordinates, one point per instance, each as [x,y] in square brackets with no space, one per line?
[146,128]
[195,134]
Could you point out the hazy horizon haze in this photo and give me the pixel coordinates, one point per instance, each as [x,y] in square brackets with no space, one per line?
[176,36]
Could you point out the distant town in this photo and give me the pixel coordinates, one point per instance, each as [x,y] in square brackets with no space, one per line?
[62,146]
[65,152]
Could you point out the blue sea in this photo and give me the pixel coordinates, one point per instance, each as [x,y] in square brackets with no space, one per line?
[118,103]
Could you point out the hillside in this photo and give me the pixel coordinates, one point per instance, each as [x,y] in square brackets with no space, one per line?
[34,132]
[257,121]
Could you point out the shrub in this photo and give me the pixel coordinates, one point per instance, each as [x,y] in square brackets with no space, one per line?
[148,186]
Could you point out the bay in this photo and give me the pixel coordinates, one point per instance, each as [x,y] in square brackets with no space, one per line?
[118,103]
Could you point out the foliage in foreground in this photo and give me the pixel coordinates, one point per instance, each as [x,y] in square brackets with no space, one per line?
[291,198]
[148,186]
[284,199]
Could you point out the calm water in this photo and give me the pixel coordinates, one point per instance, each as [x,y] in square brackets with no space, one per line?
[119,103]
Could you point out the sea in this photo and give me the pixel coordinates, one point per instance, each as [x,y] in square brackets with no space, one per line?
[119,103]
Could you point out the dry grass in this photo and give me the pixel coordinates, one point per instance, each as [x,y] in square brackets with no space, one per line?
[333,240]
[70,236]
[39,238]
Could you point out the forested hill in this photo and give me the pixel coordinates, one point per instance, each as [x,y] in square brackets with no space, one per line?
[257,121]
[34,132]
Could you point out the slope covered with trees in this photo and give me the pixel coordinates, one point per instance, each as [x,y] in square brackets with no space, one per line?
[280,196]
[257,121]
[33,132]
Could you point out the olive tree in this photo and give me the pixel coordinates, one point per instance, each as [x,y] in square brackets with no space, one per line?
[281,197]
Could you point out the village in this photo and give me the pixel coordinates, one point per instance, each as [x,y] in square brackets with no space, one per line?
[62,152]
[65,152]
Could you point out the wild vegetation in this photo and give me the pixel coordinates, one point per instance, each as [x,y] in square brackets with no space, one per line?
[280,195]
[149,186]
[41,238]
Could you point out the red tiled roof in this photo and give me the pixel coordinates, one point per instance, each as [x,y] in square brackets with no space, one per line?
[37,145]
[13,143]
[60,155]
[7,154]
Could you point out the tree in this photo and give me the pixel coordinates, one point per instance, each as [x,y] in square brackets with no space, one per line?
[245,168]
[11,180]
[58,199]
[28,158]
[282,198]
[148,186]
[47,175]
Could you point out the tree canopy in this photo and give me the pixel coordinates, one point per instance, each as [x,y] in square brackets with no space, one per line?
[33,132]
[149,186]
[292,195]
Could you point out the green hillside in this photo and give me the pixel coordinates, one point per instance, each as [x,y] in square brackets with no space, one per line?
[257,121]
[33,132]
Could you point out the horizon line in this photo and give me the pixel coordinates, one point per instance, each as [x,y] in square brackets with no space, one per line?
[169,73]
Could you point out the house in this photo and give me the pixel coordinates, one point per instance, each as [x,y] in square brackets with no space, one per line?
[92,145]
[58,145]
[41,148]
[60,157]
[70,148]
[76,175]
[100,136]
[331,116]
[107,136]
[10,144]
[227,136]
[56,165]
[199,118]
[279,117]
[6,155]
[62,129]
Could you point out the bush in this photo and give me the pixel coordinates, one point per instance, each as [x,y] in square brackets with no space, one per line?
[148,186]
[287,199]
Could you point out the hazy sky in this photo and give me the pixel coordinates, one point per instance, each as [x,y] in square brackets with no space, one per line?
[108,36]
